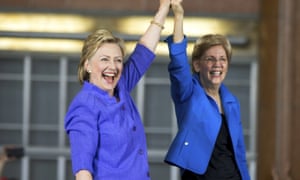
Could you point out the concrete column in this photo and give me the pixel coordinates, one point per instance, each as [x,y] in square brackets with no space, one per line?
[279,91]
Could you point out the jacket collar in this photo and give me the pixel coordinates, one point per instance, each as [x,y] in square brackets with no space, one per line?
[226,95]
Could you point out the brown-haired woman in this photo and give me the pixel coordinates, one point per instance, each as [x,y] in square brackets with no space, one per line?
[209,144]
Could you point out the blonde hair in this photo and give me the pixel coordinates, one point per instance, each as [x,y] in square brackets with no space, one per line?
[207,41]
[92,43]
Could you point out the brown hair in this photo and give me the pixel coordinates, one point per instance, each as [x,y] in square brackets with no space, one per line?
[91,45]
[207,41]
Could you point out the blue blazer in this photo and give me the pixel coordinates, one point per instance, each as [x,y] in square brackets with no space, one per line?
[198,118]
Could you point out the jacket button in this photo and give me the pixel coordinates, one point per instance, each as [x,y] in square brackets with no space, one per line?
[141,152]
[186,143]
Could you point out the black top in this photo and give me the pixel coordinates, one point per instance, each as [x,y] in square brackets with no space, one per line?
[222,164]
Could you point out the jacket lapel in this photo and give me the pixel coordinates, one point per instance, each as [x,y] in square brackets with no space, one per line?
[232,113]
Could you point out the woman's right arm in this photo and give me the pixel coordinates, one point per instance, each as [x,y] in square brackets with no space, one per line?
[81,127]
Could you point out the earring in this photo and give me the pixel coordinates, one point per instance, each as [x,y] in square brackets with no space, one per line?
[89,71]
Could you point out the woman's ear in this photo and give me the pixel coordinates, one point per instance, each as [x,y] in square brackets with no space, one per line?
[87,66]
[196,65]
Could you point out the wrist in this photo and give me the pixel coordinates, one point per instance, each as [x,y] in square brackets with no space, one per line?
[179,16]
[163,10]
[164,7]
[158,24]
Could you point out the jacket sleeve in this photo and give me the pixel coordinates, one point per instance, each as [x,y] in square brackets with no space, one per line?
[242,157]
[179,70]
[81,126]
[241,152]
[137,65]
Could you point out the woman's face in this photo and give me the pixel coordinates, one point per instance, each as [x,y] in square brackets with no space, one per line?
[105,67]
[212,66]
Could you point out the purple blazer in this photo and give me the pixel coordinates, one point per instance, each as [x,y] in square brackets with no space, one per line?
[107,137]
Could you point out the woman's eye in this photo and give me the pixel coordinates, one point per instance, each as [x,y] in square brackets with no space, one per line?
[119,60]
[103,59]
[223,59]
[210,59]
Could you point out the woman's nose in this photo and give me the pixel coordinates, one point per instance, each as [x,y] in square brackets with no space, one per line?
[112,65]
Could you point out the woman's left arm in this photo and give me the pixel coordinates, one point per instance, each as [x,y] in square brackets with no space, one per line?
[242,151]
[151,37]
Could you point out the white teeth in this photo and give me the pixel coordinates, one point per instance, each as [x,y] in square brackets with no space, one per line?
[216,73]
[109,74]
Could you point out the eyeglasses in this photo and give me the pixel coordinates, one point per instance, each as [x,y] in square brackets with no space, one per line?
[213,60]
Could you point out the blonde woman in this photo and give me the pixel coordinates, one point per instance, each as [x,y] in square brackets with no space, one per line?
[106,134]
